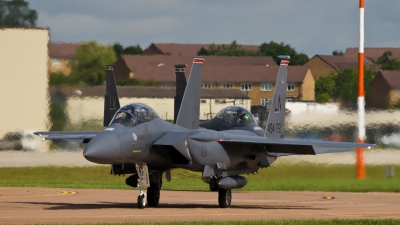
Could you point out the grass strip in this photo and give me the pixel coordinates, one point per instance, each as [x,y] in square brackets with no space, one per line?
[301,177]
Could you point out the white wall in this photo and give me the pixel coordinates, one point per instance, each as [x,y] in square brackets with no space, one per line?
[86,108]
[24,80]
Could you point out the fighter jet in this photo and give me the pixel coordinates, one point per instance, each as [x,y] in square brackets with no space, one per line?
[137,141]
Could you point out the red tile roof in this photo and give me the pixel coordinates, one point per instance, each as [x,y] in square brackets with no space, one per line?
[374,53]
[62,50]
[215,69]
[342,62]
[178,49]
[392,78]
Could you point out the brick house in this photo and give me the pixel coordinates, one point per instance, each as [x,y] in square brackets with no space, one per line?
[188,50]
[385,89]
[323,65]
[60,54]
[256,76]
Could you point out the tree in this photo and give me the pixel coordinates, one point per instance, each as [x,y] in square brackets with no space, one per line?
[387,63]
[133,50]
[337,53]
[233,49]
[130,50]
[342,85]
[275,49]
[118,49]
[16,13]
[324,88]
[90,61]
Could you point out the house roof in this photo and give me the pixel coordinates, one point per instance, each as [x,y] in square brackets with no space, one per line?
[392,78]
[62,50]
[150,92]
[215,69]
[135,62]
[179,49]
[342,62]
[374,53]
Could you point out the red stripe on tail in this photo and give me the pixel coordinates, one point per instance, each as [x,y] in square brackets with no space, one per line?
[284,62]
[198,60]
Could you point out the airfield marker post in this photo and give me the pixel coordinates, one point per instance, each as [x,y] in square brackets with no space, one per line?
[361,100]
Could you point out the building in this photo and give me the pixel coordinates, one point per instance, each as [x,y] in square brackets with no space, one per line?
[177,49]
[385,89]
[60,55]
[323,65]
[86,104]
[143,66]
[256,76]
[373,53]
[24,82]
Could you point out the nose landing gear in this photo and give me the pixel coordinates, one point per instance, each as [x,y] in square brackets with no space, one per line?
[143,180]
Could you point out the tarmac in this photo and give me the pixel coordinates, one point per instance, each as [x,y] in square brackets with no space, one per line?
[49,205]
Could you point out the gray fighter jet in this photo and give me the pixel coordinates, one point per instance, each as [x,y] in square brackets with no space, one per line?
[136,141]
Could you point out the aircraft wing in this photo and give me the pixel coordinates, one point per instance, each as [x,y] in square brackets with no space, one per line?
[294,146]
[77,136]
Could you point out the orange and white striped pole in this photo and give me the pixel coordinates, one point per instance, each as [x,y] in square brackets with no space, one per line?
[361,100]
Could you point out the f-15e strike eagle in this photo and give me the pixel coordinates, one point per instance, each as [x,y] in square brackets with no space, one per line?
[138,142]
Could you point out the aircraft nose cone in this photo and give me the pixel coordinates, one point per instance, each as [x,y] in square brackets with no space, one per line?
[103,149]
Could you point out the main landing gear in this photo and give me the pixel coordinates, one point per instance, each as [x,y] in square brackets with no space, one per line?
[224,198]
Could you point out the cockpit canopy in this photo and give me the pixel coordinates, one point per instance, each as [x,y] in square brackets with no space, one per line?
[134,114]
[236,115]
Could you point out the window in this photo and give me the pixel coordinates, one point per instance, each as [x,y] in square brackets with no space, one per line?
[167,84]
[56,62]
[203,101]
[290,87]
[227,85]
[205,85]
[266,102]
[246,86]
[266,86]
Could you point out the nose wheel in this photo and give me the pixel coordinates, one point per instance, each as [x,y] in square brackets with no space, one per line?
[141,200]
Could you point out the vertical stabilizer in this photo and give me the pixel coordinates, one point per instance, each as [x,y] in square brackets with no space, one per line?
[275,127]
[189,111]
[180,87]
[111,99]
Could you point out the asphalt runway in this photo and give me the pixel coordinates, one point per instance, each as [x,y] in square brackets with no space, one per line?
[48,205]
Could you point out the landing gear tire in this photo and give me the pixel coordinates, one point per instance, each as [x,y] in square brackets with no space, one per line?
[141,201]
[213,185]
[153,195]
[224,198]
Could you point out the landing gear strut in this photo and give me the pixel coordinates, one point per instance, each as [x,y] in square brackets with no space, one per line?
[224,198]
[143,180]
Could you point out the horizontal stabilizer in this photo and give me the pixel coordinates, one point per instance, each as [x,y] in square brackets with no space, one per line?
[77,136]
